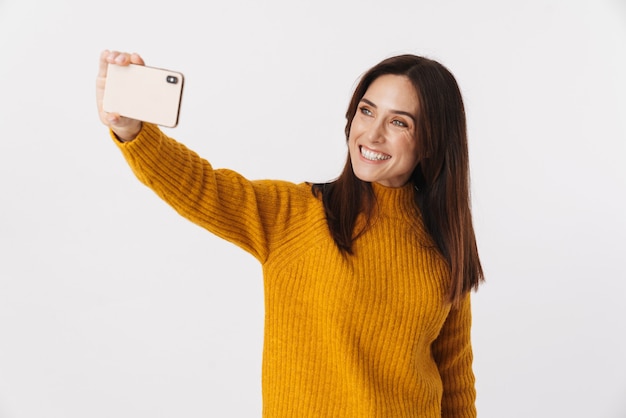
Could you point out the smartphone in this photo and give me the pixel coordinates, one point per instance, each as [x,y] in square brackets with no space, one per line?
[144,93]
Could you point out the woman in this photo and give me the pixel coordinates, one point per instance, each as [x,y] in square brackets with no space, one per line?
[367,278]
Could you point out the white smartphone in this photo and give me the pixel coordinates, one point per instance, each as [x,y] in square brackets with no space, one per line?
[144,93]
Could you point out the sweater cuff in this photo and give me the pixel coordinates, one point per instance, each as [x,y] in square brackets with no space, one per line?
[149,134]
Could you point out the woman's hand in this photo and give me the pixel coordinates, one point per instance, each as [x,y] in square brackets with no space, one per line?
[125,129]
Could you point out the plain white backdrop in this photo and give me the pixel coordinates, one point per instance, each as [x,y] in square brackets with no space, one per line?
[113,305]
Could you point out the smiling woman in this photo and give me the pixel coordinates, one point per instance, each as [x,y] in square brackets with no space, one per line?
[382,142]
[422,119]
[367,277]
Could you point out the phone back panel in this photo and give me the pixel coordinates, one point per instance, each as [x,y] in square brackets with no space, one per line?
[145,93]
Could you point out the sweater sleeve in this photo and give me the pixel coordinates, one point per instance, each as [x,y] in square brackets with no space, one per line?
[243,212]
[452,350]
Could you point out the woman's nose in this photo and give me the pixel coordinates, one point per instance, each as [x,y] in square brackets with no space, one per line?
[377,132]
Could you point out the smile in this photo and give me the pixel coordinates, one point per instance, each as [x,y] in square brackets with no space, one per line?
[373,156]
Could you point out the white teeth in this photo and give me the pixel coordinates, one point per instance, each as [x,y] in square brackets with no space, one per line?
[373,156]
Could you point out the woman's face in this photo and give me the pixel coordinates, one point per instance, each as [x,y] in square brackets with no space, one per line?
[382,141]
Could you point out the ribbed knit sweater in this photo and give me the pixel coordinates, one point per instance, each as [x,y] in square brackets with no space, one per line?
[362,335]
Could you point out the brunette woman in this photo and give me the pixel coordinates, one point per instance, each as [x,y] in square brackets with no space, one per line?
[367,277]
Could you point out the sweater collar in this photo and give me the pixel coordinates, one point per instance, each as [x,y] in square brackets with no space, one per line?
[395,200]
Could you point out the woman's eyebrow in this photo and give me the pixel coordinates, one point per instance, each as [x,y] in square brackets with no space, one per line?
[397,112]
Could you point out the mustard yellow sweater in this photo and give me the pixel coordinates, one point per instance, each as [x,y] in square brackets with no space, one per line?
[359,336]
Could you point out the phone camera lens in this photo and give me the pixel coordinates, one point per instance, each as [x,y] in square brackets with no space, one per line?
[171,79]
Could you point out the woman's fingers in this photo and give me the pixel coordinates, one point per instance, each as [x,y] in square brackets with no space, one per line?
[125,128]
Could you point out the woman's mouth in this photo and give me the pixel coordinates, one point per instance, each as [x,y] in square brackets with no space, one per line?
[371,155]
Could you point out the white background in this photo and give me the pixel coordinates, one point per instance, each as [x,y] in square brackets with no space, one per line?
[113,305]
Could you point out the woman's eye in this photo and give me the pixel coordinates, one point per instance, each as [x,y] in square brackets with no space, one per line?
[366,111]
[399,123]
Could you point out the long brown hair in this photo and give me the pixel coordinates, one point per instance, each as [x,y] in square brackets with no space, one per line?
[441,179]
